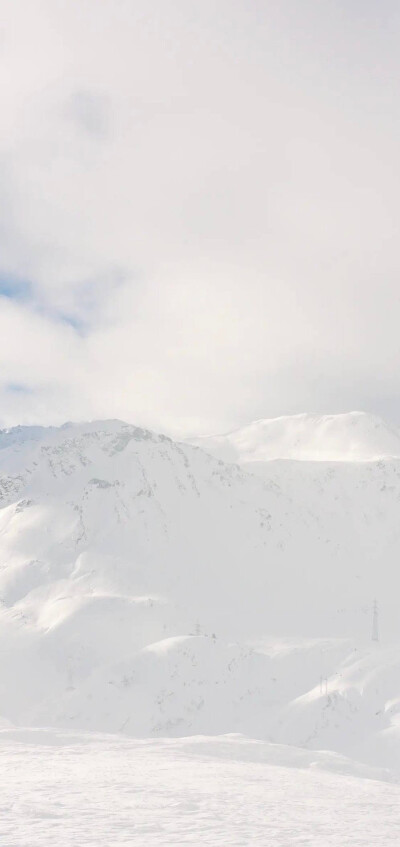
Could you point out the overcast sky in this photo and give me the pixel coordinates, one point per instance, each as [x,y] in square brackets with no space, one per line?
[199,217]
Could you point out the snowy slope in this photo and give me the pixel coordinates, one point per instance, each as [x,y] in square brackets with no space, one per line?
[61,789]
[147,587]
[355,436]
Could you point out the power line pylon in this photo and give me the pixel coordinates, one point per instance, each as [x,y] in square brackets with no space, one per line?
[375,627]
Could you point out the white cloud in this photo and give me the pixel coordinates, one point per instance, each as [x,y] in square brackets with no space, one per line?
[204,200]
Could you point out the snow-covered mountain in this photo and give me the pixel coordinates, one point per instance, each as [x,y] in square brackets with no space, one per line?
[148,587]
[355,436]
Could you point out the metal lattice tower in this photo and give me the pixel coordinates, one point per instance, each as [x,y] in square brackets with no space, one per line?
[375,627]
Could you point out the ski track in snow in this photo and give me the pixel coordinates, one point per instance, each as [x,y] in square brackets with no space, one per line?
[60,790]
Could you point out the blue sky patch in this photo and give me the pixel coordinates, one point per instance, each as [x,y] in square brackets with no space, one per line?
[18,388]
[77,323]
[14,287]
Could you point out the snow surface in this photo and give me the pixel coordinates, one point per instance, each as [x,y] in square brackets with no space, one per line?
[150,589]
[355,436]
[60,789]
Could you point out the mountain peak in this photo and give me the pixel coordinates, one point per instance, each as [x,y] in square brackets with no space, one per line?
[18,436]
[351,436]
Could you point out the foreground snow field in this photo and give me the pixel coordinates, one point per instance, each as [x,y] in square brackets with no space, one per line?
[62,789]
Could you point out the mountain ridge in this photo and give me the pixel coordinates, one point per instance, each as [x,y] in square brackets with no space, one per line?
[148,587]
